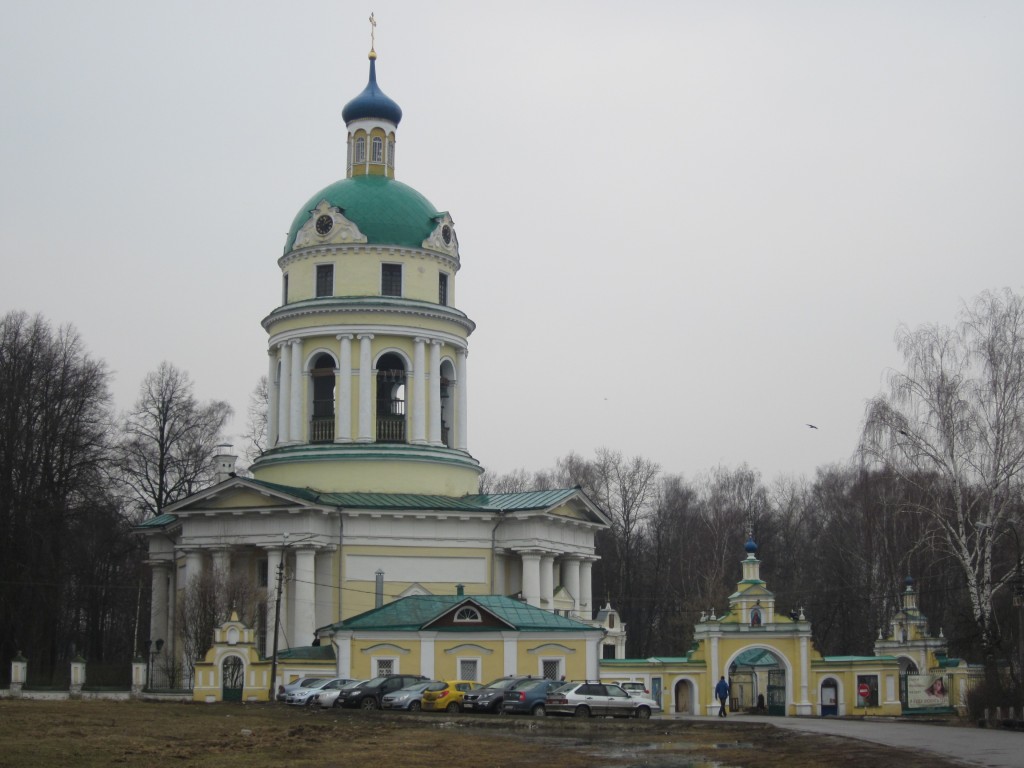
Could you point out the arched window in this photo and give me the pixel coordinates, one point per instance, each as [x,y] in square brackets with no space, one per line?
[360,152]
[377,149]
[468,614]
[390,399]
[391,153]
[321,423]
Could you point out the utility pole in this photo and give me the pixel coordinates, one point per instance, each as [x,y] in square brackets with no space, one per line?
[277,625]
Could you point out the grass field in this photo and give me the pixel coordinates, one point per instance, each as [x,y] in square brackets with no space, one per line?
[40,734]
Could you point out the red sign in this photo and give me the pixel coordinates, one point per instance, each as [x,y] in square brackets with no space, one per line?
[863,690]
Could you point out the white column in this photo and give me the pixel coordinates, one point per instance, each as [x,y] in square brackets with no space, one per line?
[435,393]
[172,600]
[193,565]
[498,569]
[272,398]
[531,578]
[343,404]
[284,394]
[584,603]
[571,580]
[296,426]
[158,604]
[547,580]
[462,402]
[305,597]
[273,566]
[222,563]
[365,388]
[805,670]
[713,678]
[419,400]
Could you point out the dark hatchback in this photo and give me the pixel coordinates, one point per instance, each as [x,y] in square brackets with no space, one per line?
[490,697]
[528,697]
[368,695]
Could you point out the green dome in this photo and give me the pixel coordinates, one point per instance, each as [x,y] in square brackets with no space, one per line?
[388,212]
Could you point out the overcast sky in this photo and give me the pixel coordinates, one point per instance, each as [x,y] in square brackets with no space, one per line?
[687,229]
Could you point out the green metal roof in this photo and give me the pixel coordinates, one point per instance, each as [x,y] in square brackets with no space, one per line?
[492,502]
[416,611]
[159,521]
[388,212]
[310,652]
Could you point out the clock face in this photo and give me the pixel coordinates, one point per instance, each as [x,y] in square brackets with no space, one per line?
[446,234]
[324,224]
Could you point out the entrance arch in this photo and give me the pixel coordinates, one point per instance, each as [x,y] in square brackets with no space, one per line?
[682,697]
[829,697]
[759,676]
[232,672]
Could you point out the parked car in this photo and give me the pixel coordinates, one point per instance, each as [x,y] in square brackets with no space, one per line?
[368,695]
[408,698]
[490,697]
[596,699]
[634,688]
[302,682]
[446,695]
[305,694]
[327,695]
[529,697]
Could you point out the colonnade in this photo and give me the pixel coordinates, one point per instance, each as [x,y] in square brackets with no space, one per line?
[538,579]
[288,376]
[298,595]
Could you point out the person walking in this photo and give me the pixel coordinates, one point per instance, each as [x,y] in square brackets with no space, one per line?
[722,694]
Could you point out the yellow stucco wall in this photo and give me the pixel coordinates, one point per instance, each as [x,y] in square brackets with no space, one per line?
[366,476]
[357,272]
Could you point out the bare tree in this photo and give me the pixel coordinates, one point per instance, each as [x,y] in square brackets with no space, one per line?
[952,424]
[169,440]
[59,526]
[258,419]
[207,602]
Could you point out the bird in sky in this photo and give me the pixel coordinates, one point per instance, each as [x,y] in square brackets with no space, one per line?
[812,426]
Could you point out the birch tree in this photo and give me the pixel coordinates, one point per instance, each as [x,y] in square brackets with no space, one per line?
[952,424]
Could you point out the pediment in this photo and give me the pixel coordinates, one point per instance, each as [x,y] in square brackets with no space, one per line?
[443,237]
[327,225]
[460,616]
[235,495]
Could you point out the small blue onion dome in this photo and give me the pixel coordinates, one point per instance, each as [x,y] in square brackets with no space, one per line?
[909,581]
[372,102]
[750,546]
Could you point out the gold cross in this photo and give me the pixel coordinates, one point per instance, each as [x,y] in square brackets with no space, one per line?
[373,29]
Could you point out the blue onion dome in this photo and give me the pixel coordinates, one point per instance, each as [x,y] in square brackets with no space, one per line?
[750,546]
[372,102]
[909,581]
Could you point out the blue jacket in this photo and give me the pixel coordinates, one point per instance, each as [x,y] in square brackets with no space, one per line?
[722,690]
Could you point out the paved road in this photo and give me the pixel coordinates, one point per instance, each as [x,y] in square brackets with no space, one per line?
[971,746]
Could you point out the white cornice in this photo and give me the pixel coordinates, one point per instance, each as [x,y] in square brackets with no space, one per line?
[334,330]
[367,305]
[387,251]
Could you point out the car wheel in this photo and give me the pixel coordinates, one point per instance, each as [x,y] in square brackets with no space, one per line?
[368,703]
[582,711]
[642,713]
[453,707]
[538,710]
[415,706]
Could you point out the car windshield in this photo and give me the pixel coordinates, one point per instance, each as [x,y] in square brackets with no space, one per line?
[418,687]
[525,685]
[352,684]
[310,682]
[438,685]
[565,688]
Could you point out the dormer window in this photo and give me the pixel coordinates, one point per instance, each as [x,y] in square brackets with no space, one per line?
[468,615]
[377,147]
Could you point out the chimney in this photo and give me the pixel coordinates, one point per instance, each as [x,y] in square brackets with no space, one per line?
[378,595]
[460,590]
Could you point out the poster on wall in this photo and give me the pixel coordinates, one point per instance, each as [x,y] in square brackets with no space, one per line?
[924,691]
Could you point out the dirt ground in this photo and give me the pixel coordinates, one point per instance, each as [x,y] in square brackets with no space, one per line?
[101,733]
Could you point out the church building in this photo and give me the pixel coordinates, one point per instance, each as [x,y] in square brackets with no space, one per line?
[368,492]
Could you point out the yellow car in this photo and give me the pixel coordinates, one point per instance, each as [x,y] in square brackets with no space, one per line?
[446,695]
